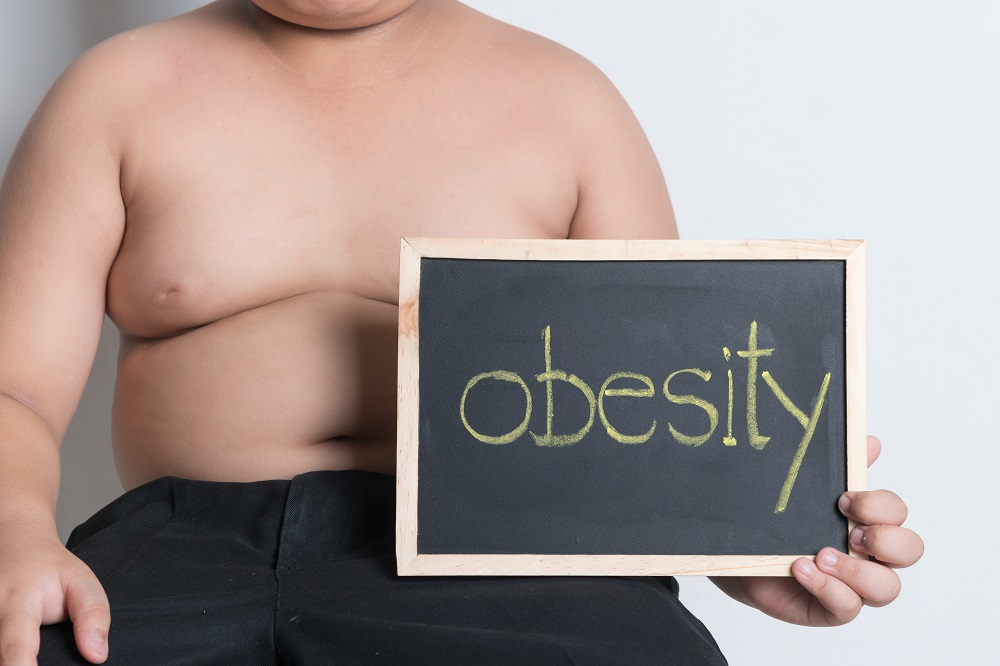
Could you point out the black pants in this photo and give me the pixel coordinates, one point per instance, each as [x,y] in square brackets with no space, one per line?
[302,572]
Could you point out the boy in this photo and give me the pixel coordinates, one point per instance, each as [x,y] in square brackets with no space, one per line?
[230,187]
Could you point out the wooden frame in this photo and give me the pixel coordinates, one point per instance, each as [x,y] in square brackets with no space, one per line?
[411,562]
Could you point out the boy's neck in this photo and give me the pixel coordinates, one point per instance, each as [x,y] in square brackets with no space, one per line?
[367,49]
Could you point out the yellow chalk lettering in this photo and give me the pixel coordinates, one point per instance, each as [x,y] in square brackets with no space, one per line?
[785,401]
[713,413]
[729,440]
[505,376]
[647,392]
[550,375]
[810,428]
[752,354]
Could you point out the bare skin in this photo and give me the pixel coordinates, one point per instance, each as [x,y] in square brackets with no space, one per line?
[230,187]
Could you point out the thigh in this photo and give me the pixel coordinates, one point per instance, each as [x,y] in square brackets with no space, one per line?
[360,612]
[339,600]
[182,589]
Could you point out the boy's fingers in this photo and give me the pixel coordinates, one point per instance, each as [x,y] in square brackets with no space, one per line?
[873,507]
[874,449]
[19,637]
[88,609]
[895,546]
[840,604]
[877,585]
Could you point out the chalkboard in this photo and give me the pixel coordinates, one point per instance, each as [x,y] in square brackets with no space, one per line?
[643,407]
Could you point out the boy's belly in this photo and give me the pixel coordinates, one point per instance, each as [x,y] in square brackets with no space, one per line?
[300,384]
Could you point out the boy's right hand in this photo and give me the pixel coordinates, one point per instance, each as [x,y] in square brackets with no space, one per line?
[43,583]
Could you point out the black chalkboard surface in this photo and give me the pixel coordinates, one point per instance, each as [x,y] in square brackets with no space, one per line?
[627,407]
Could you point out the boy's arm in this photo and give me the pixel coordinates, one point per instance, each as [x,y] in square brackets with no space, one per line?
[622,195]
[61,223]
[621,192]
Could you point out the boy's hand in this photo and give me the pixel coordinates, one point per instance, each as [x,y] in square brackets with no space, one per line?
[832,590]
[42,583]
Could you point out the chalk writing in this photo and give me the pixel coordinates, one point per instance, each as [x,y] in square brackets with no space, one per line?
[729,440]
[617,386]
[713,413]
[550,375]
[606,390]
[505,376]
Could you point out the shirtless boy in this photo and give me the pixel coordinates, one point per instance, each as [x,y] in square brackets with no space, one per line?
[230,186]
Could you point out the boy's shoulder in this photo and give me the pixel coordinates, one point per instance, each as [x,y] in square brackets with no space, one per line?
[527,56]
[113,78]
[542,79]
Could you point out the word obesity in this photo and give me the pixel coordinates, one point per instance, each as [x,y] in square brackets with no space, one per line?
[622,385]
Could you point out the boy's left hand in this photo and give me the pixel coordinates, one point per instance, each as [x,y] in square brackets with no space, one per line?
[832,590]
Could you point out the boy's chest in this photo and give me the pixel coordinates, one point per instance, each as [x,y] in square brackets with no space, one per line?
[256,202]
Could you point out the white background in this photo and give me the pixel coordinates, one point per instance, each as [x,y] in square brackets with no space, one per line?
[794,119]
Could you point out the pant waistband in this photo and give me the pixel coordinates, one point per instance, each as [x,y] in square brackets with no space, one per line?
[323,514]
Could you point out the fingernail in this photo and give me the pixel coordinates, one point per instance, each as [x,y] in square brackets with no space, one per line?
[828,558]
[807,568]
[844,503]
[857,537]
[98,643]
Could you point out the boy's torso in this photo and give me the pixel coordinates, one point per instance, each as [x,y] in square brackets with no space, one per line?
[256,284]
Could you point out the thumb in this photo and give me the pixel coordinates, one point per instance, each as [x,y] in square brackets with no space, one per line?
[874,449]
[90,613]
